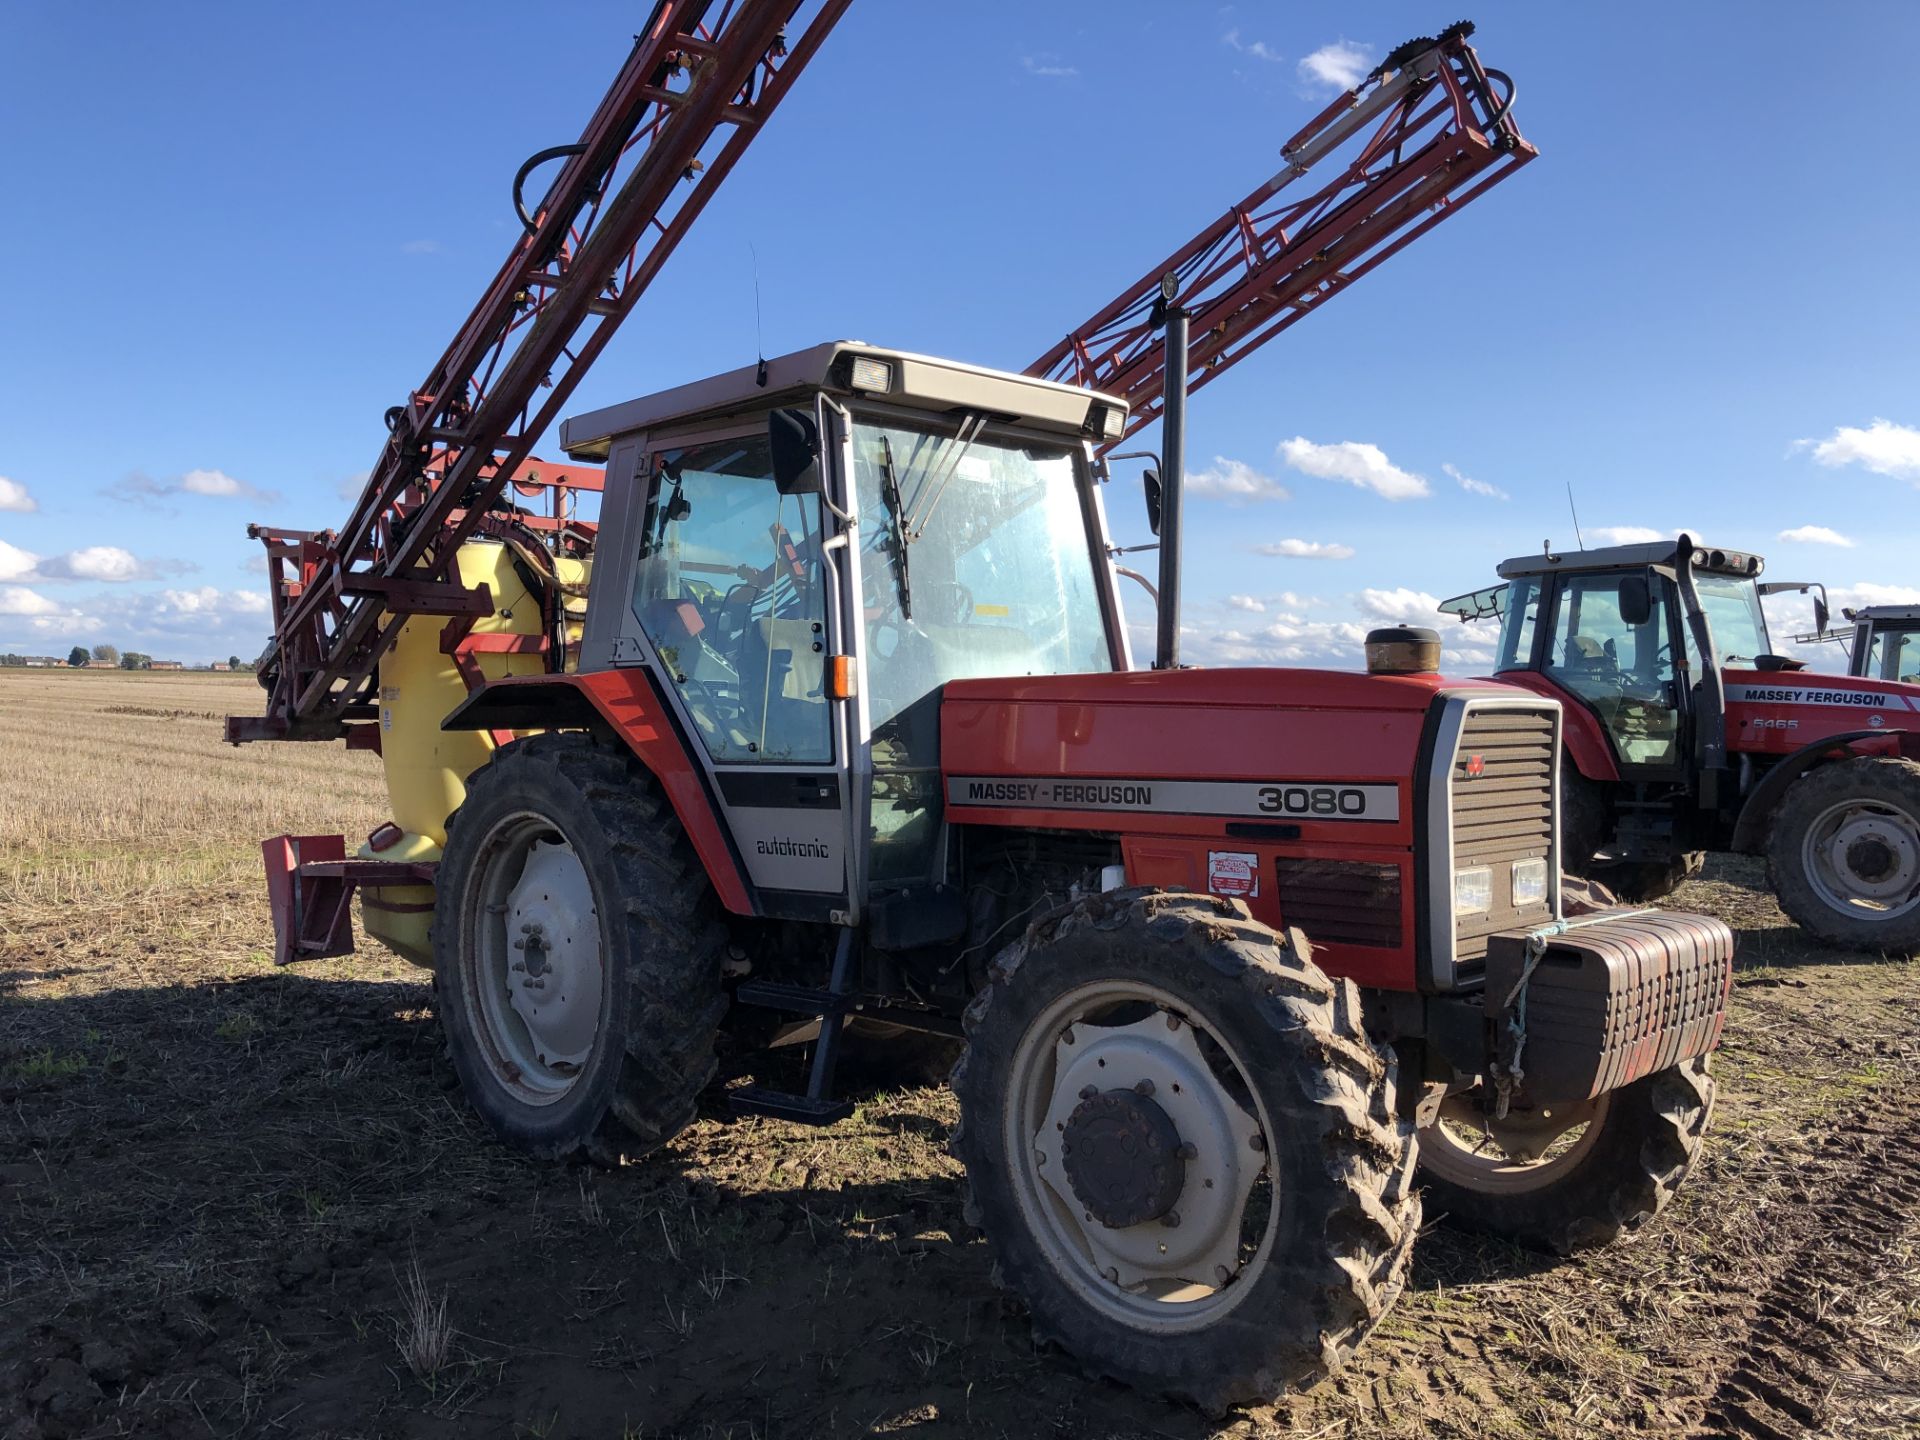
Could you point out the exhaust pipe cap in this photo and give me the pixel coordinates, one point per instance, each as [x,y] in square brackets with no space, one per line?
[1403,650]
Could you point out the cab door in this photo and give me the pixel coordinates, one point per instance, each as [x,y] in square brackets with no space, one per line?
[735,603]
[1617,656]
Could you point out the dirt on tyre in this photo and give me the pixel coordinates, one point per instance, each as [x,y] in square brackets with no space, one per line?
[1573,1177]
[577,953]
[1843,854]
[1183,1148]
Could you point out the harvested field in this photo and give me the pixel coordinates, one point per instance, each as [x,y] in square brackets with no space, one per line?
[240,1201]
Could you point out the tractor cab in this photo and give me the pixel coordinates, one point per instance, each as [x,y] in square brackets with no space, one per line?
[1635,636]
[1886,643]
[810,550]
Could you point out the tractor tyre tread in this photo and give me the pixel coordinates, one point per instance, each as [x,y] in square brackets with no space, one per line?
[670,944]
[1651,1138]
[1806,798]
[1338,1262]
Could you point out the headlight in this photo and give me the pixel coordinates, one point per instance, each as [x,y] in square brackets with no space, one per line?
[871,374]
[1529,882]
[1473,891]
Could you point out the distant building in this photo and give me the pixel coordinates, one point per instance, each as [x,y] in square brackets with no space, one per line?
[103,664]
[41,662]
[221,665]
[165,665]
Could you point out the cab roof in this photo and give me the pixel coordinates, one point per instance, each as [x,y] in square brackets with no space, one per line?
[1619,557]
[921,382]
[1876,613]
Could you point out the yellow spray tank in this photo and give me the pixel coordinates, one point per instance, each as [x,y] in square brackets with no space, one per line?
[427,767]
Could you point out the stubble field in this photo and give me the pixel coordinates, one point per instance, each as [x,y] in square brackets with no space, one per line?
[241,1201]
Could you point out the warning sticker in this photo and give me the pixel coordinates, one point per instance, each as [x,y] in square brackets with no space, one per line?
[1232,872]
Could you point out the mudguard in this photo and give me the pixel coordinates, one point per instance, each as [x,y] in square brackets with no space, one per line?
[1750,831]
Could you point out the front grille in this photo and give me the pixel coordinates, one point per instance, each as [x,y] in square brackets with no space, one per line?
[1341,902]
[1501,791]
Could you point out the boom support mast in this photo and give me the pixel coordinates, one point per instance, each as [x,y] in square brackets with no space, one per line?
[1436,131]
[700,82]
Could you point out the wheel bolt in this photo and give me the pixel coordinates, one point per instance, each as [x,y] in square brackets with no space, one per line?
[1258,1141]
[1087,1092]
[1143,1088]
[1187,1150]
[1173,1021]
[1171,1219]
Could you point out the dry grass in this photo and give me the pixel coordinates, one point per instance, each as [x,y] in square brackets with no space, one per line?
[119,786]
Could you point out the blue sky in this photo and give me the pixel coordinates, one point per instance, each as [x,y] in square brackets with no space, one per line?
[239,232]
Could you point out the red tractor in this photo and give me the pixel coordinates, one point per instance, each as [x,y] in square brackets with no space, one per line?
[1686,732]
[830,718]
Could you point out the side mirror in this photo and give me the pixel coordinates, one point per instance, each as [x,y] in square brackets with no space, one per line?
[793,440]
[1636,600]
[1820,613]
[1151,480]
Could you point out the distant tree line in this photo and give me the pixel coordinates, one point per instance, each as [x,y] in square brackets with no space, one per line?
[80,657]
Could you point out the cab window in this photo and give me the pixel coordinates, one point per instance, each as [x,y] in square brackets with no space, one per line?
[1518,624]
[1623,671]
[730,590]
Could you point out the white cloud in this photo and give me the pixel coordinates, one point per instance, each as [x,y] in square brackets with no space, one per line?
[217,484]
[14,496]
[1476,487]
[94,562]
[1816,535]
[1259,49]
[1353,462]
[1047,67]
[1307,549]
[1403,607]
[18,600]
[1234,480]
[1883,447]
[351,488]
[17,564]
[207,602]
[1246,602]
[1339,66]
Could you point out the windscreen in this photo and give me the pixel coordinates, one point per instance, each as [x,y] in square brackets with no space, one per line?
[976,562]
[1733,609]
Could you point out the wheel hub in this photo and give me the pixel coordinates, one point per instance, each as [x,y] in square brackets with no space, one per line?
[1194,1159]
[1871,855]
[553,977]
[1124,1158]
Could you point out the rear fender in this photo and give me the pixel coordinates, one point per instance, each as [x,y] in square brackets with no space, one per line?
[1750,831]
[621,704]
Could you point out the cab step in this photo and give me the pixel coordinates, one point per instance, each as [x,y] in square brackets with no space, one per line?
[819,1106]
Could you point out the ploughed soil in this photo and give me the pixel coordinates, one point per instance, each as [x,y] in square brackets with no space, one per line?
[235,1201]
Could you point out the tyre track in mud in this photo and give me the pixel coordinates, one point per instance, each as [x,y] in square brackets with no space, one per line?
[1794,1344]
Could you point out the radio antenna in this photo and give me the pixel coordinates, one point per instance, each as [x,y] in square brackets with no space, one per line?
[1579,539]
[759,340]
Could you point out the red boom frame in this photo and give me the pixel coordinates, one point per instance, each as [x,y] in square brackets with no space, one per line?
[1444,135]
[699,83]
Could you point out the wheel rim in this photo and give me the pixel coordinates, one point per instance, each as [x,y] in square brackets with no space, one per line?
[1862,857]
[1527,1151]
[1182,1267]
[535,977]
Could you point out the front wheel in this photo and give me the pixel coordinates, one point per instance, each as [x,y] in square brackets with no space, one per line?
[1568,1177]
[1184,1148]
[1844,855]
[577,953]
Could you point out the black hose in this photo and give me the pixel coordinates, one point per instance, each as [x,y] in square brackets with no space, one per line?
[534,161]
[1493,122]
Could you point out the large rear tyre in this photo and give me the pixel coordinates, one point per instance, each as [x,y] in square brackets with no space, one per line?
[1844,854]
[1183,1148]
[1565,1178]
[577,953]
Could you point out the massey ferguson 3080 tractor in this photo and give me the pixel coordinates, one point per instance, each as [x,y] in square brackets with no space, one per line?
[1685,732]
[829,716]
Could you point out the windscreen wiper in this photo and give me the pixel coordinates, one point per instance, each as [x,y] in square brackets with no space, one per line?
[890,492]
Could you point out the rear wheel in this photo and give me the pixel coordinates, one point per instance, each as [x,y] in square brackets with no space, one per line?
[577,951]
[1184,1148]
[1567,1177]
[1844,855]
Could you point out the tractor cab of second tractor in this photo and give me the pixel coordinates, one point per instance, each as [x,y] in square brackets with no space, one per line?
[1885,643]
